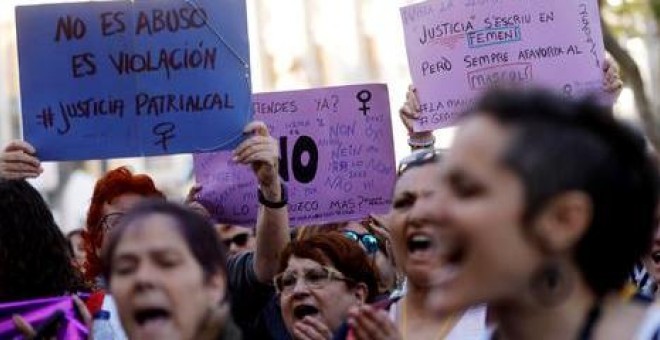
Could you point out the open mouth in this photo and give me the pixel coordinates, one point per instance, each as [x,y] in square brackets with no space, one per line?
[301,311]
[449,249]
[148,315]
[419,242]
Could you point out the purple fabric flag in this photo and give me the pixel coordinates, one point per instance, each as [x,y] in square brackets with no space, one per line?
[38,311]
[336,157]
[457,49]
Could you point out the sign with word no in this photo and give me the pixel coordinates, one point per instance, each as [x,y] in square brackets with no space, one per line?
[459,48]
[133,78]
[336,157]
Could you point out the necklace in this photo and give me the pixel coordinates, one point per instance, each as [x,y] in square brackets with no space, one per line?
[445,326]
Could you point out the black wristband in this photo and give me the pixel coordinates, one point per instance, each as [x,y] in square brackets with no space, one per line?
[284,198]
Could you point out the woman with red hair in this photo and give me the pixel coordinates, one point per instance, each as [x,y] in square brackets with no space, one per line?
[114,194]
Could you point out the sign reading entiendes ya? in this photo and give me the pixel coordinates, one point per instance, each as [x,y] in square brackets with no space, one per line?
[459,48]
[336,157]
[133,78]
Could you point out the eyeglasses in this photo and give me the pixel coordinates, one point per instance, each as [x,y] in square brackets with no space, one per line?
[110,221]
[368,241]
[239,240]
[313,278]
[418,158]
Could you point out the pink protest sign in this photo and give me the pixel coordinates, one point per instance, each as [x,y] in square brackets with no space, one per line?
[457,49]
[336,157]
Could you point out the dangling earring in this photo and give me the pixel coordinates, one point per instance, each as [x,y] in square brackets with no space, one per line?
[552,284]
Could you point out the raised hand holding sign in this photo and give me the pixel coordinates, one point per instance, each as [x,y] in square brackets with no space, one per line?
[335,152]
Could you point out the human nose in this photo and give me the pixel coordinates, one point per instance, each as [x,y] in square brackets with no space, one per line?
[431,208]
[145,277]
[300,287]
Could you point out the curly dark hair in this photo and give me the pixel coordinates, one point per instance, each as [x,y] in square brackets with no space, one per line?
[35,259]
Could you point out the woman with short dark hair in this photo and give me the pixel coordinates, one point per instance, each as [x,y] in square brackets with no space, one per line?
[166,269]
[548,204]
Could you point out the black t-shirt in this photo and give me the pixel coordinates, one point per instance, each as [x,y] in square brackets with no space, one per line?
[253,304]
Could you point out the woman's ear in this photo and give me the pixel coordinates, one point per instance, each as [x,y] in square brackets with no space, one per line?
[361,291]
[563,221]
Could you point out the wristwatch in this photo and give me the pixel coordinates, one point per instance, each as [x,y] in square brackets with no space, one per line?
[284,198]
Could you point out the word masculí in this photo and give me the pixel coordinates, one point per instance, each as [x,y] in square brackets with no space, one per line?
[515,73]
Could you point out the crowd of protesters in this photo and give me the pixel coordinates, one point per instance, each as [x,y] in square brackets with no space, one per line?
[533,225]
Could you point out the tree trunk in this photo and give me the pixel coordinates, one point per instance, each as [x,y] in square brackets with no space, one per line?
[630,71]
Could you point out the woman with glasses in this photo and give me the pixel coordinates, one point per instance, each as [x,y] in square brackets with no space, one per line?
[114,194]
[320,278]
[374,240]
[416,244]
[166,269]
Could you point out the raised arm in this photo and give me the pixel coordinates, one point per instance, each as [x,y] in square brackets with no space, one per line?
[409,112]
[18,161]
[272,234]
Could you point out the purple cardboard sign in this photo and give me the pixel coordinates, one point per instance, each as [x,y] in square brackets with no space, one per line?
[457,49]
[336,157]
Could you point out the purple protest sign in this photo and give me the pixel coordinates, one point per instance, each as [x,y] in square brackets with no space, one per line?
[457,49]
[336,157]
